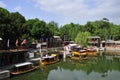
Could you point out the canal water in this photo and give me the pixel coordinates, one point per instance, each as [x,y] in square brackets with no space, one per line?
[101,67]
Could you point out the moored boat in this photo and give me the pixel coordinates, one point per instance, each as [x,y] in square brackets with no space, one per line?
[91,52]
[4,74]
[22,68]
[35,61]
[79,55]
[53,58]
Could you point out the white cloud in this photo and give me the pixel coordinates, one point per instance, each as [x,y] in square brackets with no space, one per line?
[85,9]
[2,4]
[18,8]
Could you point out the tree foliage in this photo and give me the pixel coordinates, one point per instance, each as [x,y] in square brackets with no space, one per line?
[14,26]
[53,27]
[82,38]
[40,30]
[70,30]
[10,26]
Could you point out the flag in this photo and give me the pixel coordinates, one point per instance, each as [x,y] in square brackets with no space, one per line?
[16,43]
[8,43]
[24,41]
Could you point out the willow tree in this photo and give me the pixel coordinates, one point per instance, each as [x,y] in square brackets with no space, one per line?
[71,30]
[82,38]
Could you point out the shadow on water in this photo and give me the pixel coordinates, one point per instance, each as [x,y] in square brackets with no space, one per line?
[101,67]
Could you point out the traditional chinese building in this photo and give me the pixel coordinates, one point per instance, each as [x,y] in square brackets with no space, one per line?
[94,41]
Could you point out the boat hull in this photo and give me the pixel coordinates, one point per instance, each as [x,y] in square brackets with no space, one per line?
[49,59]
[22,72]
[22,68]
[48,63]
[79,55]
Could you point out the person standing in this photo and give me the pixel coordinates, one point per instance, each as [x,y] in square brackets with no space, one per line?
[66,51]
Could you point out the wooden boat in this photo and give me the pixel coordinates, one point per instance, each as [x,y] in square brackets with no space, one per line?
[35,61]
[4,74]
[79,55]
[91,52]
[22,68]
[53,58]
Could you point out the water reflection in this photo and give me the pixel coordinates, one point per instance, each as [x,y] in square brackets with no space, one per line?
[81,75]
[101,67]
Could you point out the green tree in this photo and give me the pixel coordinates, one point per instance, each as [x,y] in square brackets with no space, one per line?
[4,25]
[4,21]
[28,25]
[104,28]
[53,27]
[90,27]
[17,21]
[64,30]
[114,31]
[10,26]
[40,30]
[82,38]
[70,30]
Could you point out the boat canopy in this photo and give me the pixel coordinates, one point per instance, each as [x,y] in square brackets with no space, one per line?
[35,59]
[23,64]
[47,57]
[4,71]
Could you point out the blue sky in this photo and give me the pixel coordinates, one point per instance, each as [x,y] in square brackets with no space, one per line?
[66,11]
